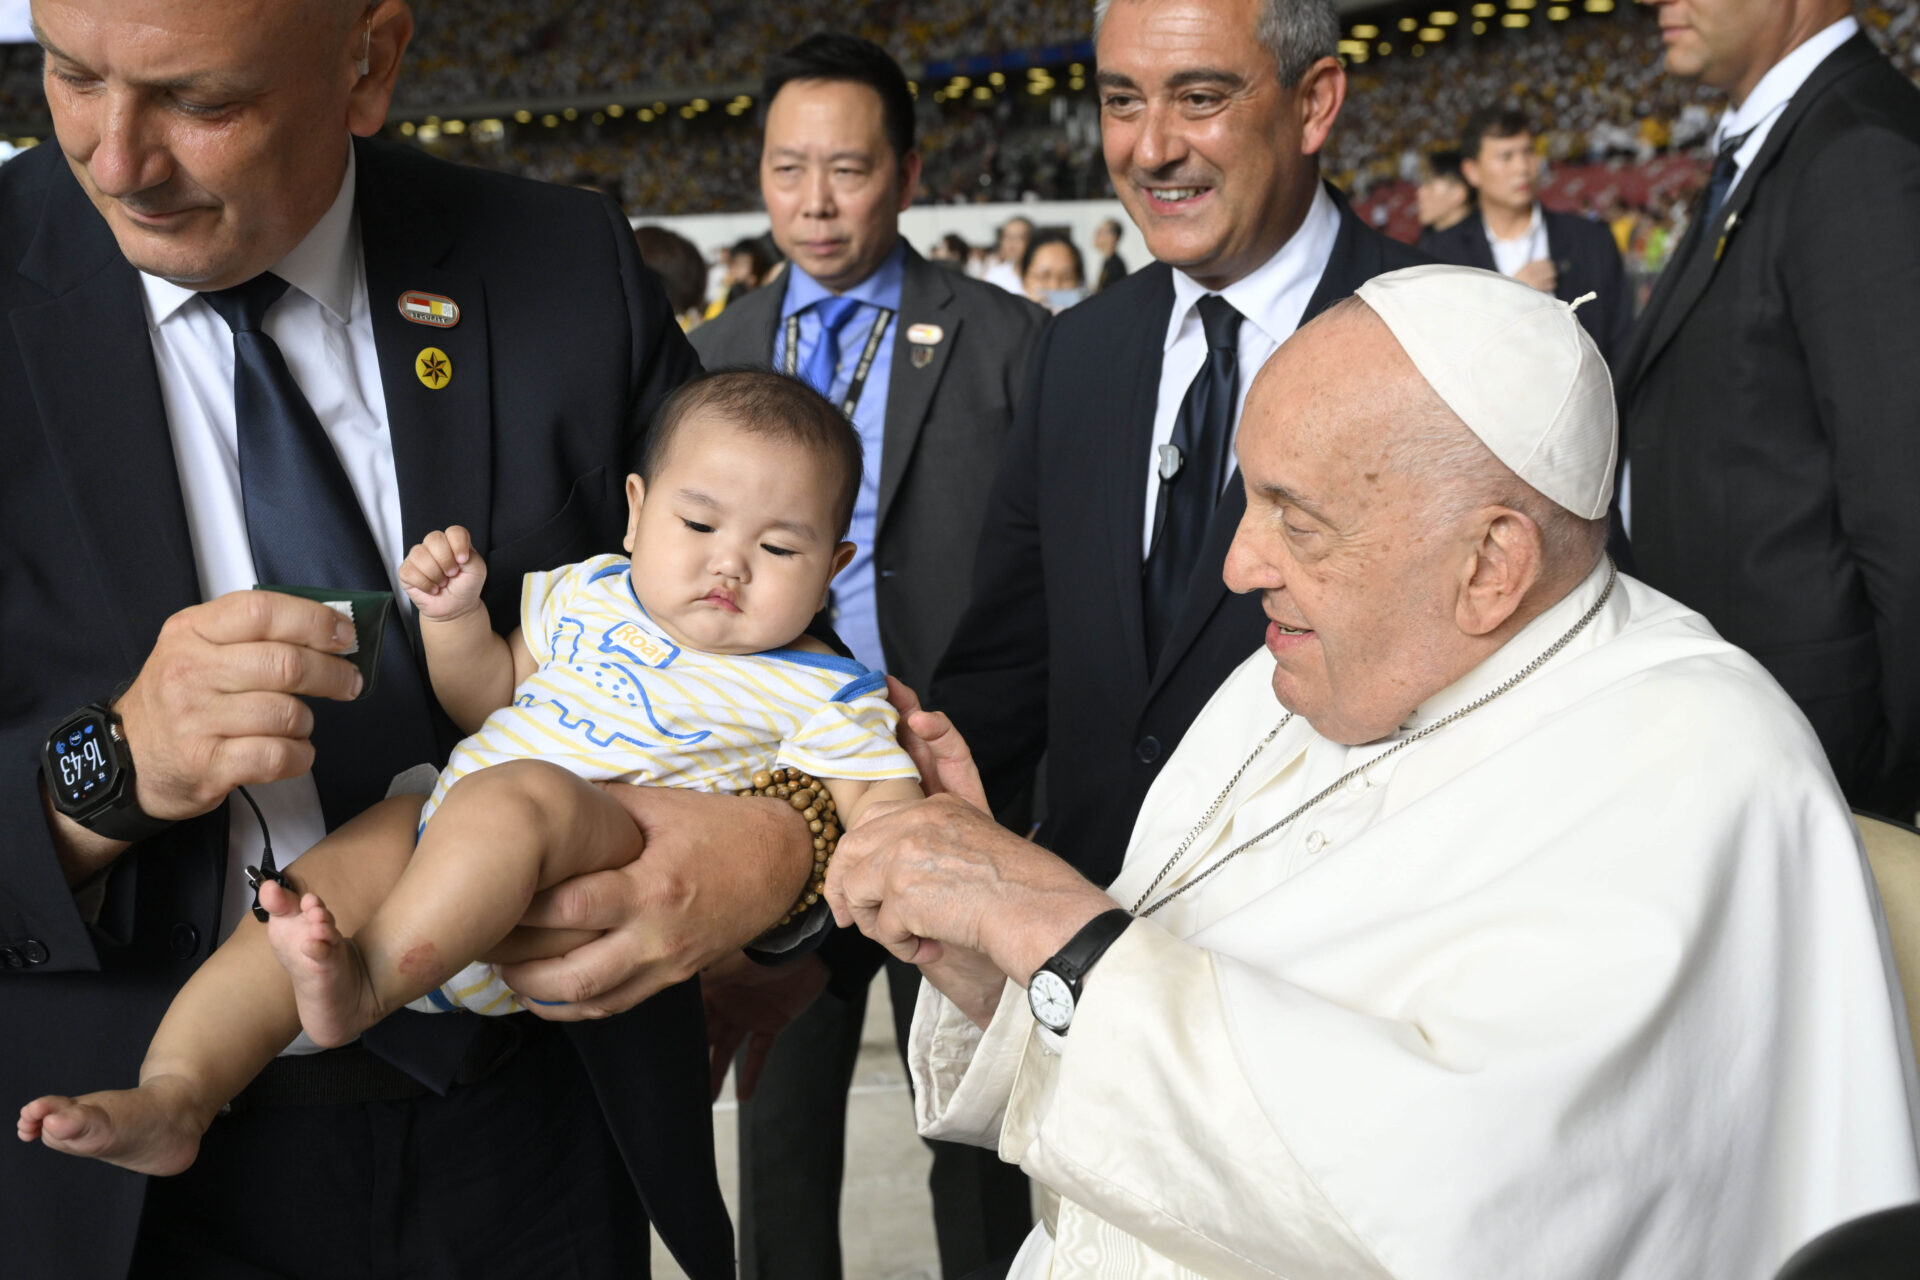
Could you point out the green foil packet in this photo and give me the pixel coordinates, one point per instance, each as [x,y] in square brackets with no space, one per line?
[366,610]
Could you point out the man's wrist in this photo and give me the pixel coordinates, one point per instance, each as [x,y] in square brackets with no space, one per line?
[1036,935]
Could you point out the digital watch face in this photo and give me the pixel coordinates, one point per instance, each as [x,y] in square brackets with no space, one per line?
[80,769]
[1050,999]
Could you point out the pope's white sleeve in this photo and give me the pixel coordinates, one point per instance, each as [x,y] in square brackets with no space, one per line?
[962,1074]
[1145,1117]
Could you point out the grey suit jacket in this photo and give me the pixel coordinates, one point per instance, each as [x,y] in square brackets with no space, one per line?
[948,411]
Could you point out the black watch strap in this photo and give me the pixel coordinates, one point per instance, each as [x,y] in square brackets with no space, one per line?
[1072,961]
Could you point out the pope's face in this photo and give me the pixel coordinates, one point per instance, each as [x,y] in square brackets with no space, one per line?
[1211,156]
[212,134]
[733,543]
[1356,587]
[833,187]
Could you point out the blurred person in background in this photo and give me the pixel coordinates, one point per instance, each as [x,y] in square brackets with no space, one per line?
[682,271]
[951,251]
[1510,232]
[1009,251]
[1099,623]
[929,365]
[1768,403]
[1052,273]
[1443,196]
[1106,243]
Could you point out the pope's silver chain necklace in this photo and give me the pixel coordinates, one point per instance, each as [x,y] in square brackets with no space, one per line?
[1219,801]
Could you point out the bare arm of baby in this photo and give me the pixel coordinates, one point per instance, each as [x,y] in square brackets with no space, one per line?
[474,669]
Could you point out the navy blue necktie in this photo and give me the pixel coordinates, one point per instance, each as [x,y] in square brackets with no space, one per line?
[306,529]
[823,362]
[1202,437]
[1725,171]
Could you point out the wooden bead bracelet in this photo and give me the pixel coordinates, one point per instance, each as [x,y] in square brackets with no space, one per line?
[815,803]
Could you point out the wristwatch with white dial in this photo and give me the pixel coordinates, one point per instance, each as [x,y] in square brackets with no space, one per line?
[1054,989]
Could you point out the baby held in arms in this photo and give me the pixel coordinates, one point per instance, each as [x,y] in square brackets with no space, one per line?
[686,666]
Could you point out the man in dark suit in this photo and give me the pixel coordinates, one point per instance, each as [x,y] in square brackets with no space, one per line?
[1106,247]
[1099,622]
[234,337]
[928,363]
[1509,231]
[1768,403]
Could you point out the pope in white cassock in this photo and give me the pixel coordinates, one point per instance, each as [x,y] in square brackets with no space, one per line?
[1527,936]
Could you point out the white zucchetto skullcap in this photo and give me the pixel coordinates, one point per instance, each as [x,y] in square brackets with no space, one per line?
[1517,367]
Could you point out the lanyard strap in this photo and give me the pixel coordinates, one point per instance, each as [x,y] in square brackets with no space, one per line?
[791,365]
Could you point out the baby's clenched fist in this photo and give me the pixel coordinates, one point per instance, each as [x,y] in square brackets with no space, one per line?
[443,574]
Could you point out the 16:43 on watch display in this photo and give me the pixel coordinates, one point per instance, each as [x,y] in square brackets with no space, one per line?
[89,773]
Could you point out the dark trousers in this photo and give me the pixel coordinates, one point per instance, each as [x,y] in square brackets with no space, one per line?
[793,1152]
[513,1176]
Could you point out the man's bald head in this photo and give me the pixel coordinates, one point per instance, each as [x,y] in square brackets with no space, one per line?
[1393,550]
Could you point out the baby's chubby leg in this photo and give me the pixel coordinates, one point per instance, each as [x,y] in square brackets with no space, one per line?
[500,836]
[230,1019]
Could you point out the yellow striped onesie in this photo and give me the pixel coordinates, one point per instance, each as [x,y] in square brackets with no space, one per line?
[613,697]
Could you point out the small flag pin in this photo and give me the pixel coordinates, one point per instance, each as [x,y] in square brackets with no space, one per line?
[925,335]
[430,308]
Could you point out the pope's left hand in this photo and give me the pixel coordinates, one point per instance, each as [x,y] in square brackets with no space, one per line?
[940,873]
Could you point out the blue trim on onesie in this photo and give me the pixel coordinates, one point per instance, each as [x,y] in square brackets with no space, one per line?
[441,1003]
[828,661]
[612,569]
[864,685]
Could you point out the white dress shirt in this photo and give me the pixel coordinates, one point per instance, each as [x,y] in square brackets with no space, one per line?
[1776,88]
[1529,246]
[1272,299]
[322,327]
[1758,113]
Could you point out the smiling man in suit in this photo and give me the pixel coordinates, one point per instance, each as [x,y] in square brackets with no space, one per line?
[927,363]
[243,345]
[1099,622]
[1769,412]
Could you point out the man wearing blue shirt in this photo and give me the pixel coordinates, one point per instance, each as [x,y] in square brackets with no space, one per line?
[928,364]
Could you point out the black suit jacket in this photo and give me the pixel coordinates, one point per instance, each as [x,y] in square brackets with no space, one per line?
[1051,653]
[563,347]
[946,422]
[1585,258]
[1771,417]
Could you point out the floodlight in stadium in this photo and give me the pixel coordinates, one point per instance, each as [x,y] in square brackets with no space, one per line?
[1513,20]
[1558,13]
[489,130]
[1444,18]
[523,116]
[1076,84]
[1353,47]
[688,113]
[428,133]
[433,119]
[1384,48]
[996,79]
[646,115]
[659,108]
[701,104]
[1484,10]
[1479,28]
[1599,6]
[454,126]
[1521,4]
[550,120]
[982,92]
[615,110]
[959,82]
[1365,31]
[1419,51]
[1408,24]
[571,113]
[406,128]
[599,117]
[1432,35]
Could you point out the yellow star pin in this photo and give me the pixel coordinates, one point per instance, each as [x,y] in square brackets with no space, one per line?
[433,368]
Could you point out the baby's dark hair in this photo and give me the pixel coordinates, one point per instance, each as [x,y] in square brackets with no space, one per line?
[774,405]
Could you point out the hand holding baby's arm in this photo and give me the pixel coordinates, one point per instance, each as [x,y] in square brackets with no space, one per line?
[443,575]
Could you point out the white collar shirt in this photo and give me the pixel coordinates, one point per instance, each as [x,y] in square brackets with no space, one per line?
[1755,117]
[1272,298]
[1529,246]
[323,328]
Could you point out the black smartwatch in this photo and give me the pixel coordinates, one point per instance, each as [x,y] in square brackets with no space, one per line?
[1055,988]
[89,773]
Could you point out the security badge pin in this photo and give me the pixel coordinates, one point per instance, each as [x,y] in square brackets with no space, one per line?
[433,368]
[921,340]
[433,309]
[1726,232]
[1170,462]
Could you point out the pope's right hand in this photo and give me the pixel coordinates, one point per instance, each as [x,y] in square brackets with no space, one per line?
[217,704]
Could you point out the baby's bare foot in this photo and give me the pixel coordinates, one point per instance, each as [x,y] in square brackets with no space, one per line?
[153,1129]
[330,983]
